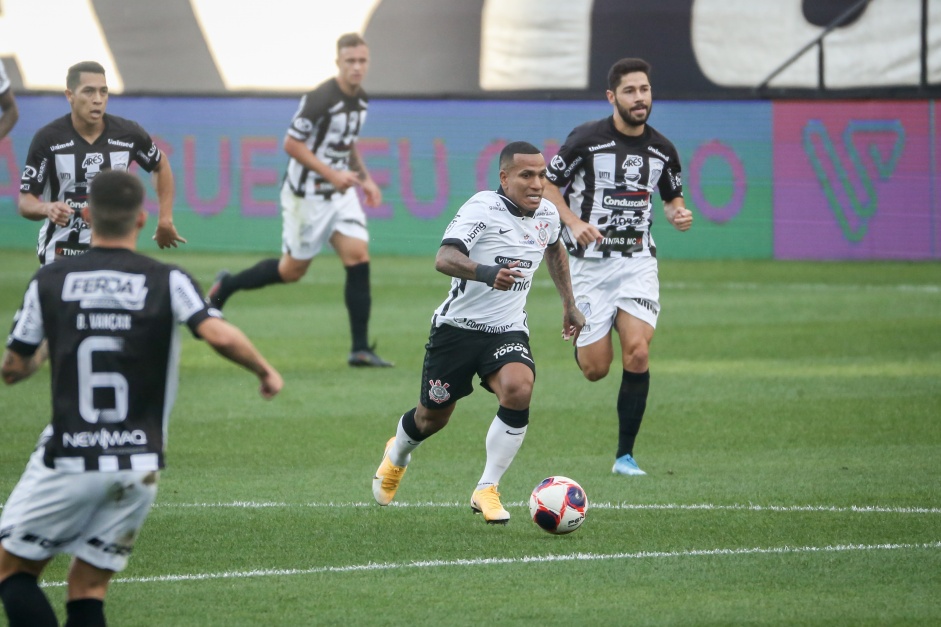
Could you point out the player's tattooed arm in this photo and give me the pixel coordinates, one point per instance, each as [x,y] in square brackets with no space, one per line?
[558,264]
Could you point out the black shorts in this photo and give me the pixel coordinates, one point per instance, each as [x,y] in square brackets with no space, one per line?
[453,356]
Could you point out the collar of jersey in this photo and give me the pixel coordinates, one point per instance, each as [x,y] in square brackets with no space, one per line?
[512,206]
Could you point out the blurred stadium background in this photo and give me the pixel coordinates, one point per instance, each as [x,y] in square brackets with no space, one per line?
[791,149]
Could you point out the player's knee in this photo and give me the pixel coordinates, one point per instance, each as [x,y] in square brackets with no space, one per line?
[292,274]
[595,372]
[636,360]
[517,394]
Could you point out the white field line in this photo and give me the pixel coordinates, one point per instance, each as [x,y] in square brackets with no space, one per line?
[602,505]
[531,559]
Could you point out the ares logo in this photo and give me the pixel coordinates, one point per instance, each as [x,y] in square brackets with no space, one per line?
[852,209]
[93,161]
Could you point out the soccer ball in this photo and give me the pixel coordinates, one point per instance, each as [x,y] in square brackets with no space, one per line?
[558,505]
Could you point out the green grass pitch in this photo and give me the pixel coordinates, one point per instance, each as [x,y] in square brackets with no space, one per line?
[792,441]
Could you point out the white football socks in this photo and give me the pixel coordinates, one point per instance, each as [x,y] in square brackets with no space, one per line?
[503,442]
[400,453]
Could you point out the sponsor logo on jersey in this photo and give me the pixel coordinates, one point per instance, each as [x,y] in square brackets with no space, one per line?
[610,144]
[479,228]
[93,162]
[104,439]
[505,231]
[29,172]
[105,289]
[523,263]
[117,142]
[65,176]
[341,154]
[624,199]
[572,166]
[496,207]
[521,285]
[67,144]
[41,174]
[658,153]
[473,325]
[557,163]
[153,151]
[437,391]
[676,180]
[631,166]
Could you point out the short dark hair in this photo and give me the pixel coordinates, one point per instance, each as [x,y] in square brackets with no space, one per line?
[626,66]
[74,76]
[516,148]
[349,40]
[114,199]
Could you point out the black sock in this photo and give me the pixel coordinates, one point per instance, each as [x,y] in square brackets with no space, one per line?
[263,273]
[358,304]
[632,401]
[25,603]
[409,426]
[85,613]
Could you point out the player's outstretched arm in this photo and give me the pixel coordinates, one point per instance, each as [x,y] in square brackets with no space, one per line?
[229,341]
[166,234]
[558,264]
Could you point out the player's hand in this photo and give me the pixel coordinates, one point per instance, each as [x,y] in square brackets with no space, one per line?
[507,276]
[59,213]
[372,193]
[342,180]
[271,383]
[585,233]
[166,235]
[682,219]
[572,322]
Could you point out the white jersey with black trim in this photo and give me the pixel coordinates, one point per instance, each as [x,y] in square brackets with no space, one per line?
[492,230]
[611,178]
[111,317]
[328,121]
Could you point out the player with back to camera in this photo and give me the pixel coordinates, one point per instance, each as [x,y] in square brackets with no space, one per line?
[11,112]
[610,168]
[111,317]
[66,155]
[319,204]
[492,250]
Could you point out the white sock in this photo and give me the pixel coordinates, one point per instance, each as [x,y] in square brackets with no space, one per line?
[503,441]
[401,452]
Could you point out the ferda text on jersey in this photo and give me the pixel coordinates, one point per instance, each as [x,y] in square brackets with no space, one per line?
[105,289]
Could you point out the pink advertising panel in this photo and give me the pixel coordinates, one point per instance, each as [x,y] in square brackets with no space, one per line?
[856,180]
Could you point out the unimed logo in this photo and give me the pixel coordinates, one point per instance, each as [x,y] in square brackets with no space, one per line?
[847,182]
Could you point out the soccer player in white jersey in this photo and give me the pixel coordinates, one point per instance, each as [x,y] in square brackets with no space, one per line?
[491,250]
[7,104]
[112,318]
[609,169]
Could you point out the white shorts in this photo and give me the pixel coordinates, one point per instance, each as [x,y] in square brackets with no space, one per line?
[308,223]
[603,286]
[95,516]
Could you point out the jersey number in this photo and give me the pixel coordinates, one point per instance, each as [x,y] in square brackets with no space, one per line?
[89,381]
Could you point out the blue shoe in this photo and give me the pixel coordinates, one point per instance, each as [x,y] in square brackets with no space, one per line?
[625,465]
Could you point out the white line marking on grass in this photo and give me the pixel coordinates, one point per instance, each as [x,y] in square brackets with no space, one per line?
[531,559]
[602,505]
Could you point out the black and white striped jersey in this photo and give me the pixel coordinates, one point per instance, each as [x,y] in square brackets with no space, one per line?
[328,122]
[492,230]
[60,166]
[111,318]
[610,178]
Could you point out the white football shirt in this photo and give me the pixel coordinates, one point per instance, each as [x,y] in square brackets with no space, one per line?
[492,230]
